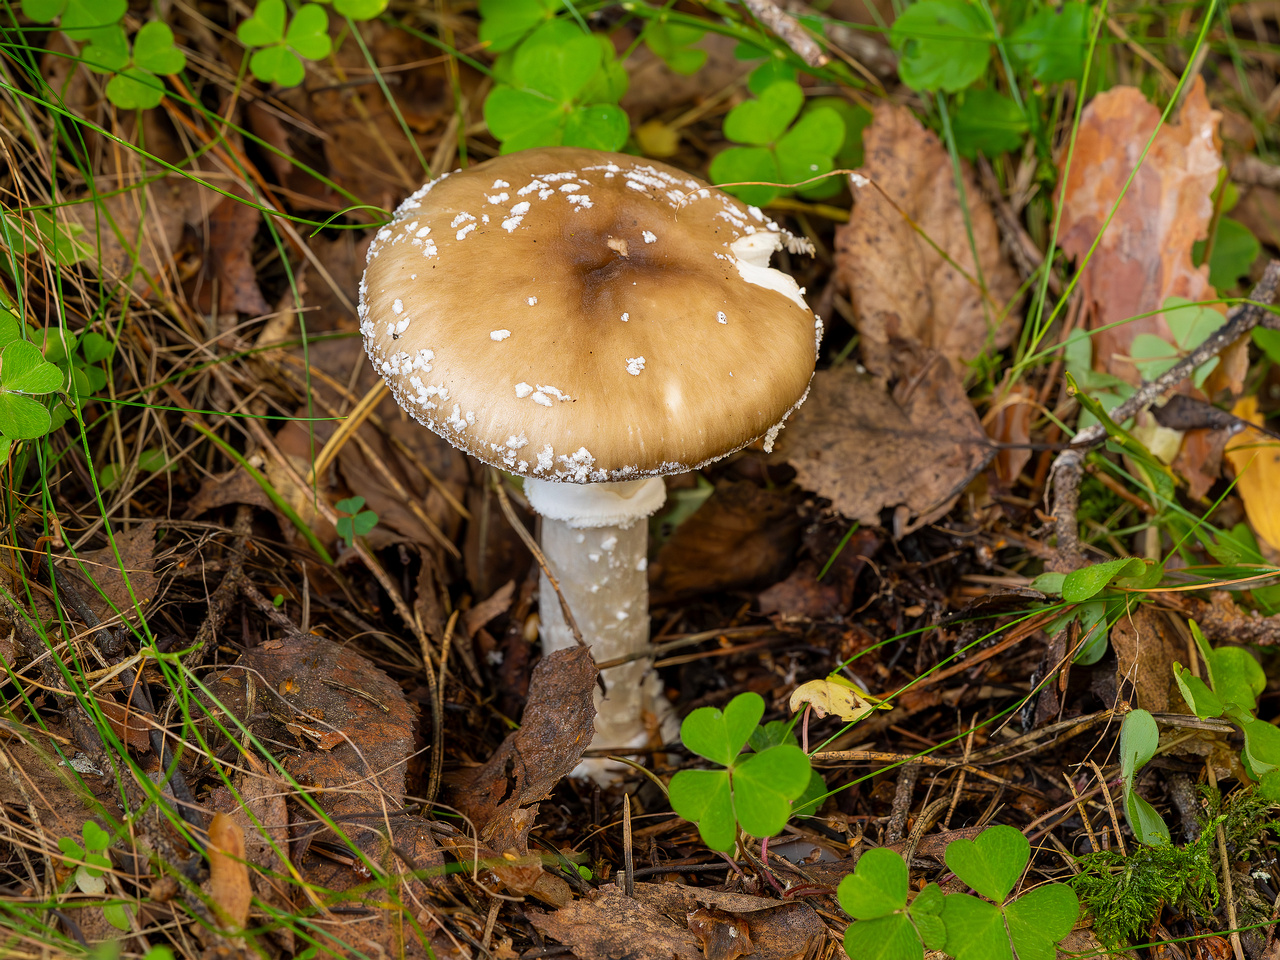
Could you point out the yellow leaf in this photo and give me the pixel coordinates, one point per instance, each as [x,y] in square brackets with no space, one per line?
[1256,461]
[835,695]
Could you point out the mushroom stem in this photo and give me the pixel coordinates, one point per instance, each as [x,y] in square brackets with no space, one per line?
[595,539]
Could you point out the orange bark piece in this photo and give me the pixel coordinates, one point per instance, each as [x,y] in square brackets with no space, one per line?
[228,872]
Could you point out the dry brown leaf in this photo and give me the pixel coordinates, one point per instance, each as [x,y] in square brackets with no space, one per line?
[1255,458]
[867,450]
[479,615]
[1009,422]
[558,723]
[613,926]
[803,596]
[722,935]
[743,535]
[137,547]
[229,887]
[127,724]
[1145,255]
[232,226]
[900,286]
[779,931]
[1146,644]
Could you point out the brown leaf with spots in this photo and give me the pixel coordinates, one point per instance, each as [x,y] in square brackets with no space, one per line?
[502,796]
[900,286]
[1144,256]
[778,931]
[229,887]
[866,449]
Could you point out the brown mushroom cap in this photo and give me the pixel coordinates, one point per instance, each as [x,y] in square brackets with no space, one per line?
[576,315]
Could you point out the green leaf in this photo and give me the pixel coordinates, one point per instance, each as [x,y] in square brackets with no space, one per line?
[521,119]
[95,347]
[945,45]
[1237,678]
[886,938]
[975,928]
[720,737]
[42,11]
[1190,323]
[364,522]
[774,70]
[1093,627]
[1202,701]
[108,52]
[990,123]
[815,792]
[1049,583]
[350,505]
[856,118]
[1261,746]
[876,888]
[277,64]
[68,845]
[671,42]
[1152,355]
[764,784]
[772,734]
[81,19]
[152,460]
[1053,43]
[558,60]
[135,89]
[609,85]
[153,49]
[95,838]
[1088,581]
[308,33]
[818,132]
[746,164]
[703,797]
[1269,786]
[1268,342]
[24,370]
[1234,250]
[1139,739]
[117,915]
[762,121]
[1146,823]
[43,234]
[1040,918]
[360,9]
[600,126]
[504,22]
[926,911]
[992,862]
[265,27]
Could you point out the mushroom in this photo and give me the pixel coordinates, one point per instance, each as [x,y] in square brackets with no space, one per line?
[590,322]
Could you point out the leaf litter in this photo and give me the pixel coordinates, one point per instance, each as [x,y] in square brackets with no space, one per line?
[904,488]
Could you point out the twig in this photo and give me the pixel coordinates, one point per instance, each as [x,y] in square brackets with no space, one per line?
[628,855]
[222,598]
[789,30]
[509,512]
[1068,467]
[1225,862]
[1111,807]
[901,802]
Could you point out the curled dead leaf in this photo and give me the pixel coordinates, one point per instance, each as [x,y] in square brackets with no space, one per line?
[1255,458]
[228,873]
[835,695]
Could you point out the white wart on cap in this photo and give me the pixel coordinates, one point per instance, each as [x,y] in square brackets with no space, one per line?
[583,316]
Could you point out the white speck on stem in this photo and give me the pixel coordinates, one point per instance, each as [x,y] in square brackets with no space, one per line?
[635,365]
[462,234]
[499,335]
[532,301]
[398,306]
[721,318]
[649,237]
[541,398]
[626,317]
[523,390]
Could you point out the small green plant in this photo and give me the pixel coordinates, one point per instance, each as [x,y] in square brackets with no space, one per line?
[281,48]
[358,521]
[1139,740]
[964,926]
[26,379]
[1235,682]
[136,82]
[90,861]
[559,86]
[1099,596]
[775,150]
[80,19]
[1190,325]
[755,793]
[1124,894]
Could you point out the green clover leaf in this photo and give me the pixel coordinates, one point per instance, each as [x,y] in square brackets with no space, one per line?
[520,119]
[283,50]
[108,52]
[720,736]
[975,928]
[876,888]
[95,838]
[762,121]
[926,912]
[704,797]
[81,19]
[68,845]
[1053,43]
[24,370]
[503,23]
[887,938]
[1040,918]
[745,164]
[992,862]
[557,60]
[764,784]
[599,126]
[672,42]
[945,44]
[360,9]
